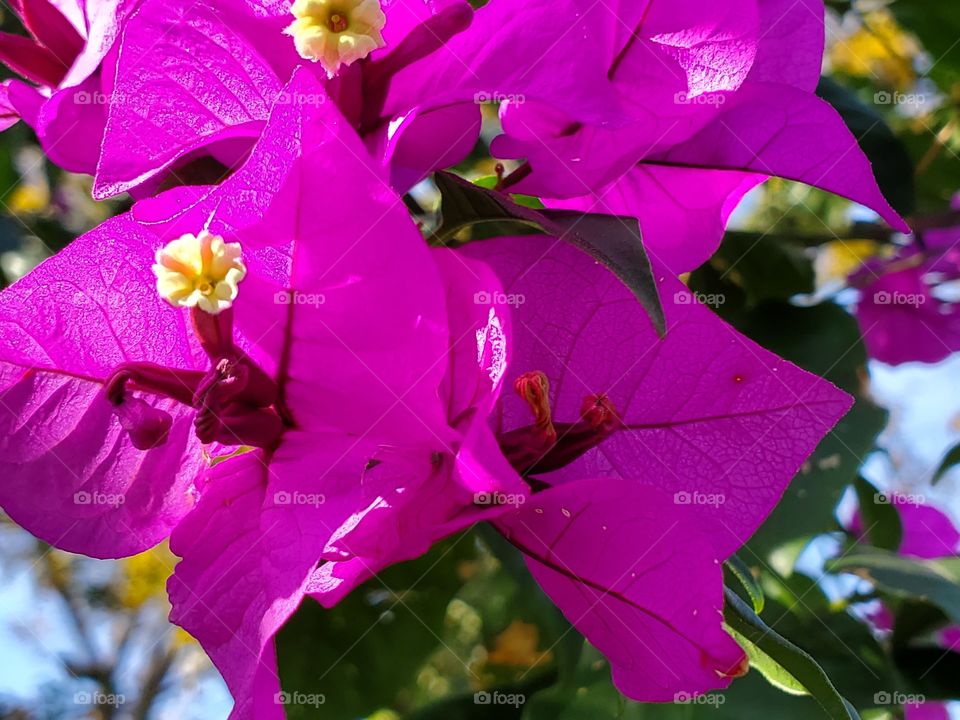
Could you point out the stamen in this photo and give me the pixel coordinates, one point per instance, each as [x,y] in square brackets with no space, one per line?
[147,426]
[150,378]
[600,413]
[235,399]
[534,388]
[336,32]
[199,271]
[546,446]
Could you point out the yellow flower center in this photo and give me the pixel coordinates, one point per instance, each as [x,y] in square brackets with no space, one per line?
[336,32]
[199,271]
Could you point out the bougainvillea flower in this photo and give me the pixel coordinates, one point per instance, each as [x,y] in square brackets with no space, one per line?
[927,532]
[722,96]
[63,96]
[154,342]
[702,430]
[926,711]
[686,443]
[653,459]
[704,409]
[909,306]
[373,56]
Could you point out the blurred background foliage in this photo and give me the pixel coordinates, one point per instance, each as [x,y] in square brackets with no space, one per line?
[85,638]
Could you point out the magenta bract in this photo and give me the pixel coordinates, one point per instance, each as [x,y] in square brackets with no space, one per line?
[368,370]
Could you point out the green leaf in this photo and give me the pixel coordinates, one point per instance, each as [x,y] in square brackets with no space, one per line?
[795,664]
[613,241]
[915,619]
[797,593]
[512,593]
[891,162]
[930,671]
[349,654]
[881,521]
[929,580]
[490,183]
[941,172]
[767,266]
[938,31]
[735,567]
[950,460]
[587,695]
[844,646]
[506,702]
[768,667]
[949,565]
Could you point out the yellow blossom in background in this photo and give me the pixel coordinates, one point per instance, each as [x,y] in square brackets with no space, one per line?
[145,576]
[181,637]
[517,646]
[29,199]
[837,260]
[384,715]
[878,50]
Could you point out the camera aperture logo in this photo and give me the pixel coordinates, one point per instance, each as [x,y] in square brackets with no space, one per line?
[499,698]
